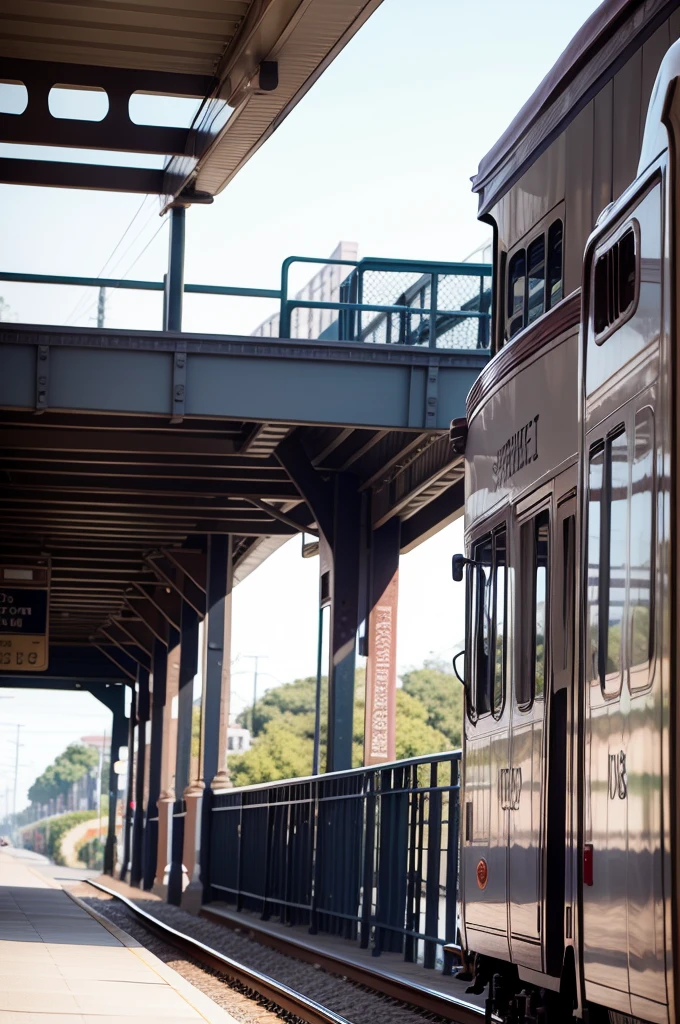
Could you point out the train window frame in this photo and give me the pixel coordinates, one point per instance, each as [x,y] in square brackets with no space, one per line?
[520,318]
[526,697]
[512,315]
[644,669]
[607,256]
[609,682]
[551,302]
[482,606]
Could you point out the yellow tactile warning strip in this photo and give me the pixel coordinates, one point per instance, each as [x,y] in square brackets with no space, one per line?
[59,964]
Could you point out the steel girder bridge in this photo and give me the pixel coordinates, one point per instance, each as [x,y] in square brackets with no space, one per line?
[155,470]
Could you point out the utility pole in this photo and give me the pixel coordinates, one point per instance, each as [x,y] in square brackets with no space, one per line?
[101,307]
[256,658]
[16,773]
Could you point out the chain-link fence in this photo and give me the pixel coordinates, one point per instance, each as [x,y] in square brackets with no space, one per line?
[457,298]
[394,302]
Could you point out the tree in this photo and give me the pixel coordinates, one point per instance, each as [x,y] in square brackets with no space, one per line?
[284,720]
[439,691]
[75,762]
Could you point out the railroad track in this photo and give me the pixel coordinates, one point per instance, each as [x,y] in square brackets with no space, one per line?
[280,994]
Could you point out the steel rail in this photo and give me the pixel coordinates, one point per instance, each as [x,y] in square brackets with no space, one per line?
[284,996]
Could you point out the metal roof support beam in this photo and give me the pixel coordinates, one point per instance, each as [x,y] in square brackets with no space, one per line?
[138,633]
[120,659]
[311,486]
[168,602]
[112,442]
[193,563]
[184,587]
[283,517]
[149,614]
[121,640]
[55,174]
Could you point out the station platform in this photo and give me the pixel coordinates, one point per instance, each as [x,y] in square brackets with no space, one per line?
[59,963]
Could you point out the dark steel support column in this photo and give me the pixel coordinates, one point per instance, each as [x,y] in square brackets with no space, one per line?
[317,697]
[119,733]
[175,276]
[344,621]
[216,687]
[166,798]
[136,867]
[130,787]
[160,664]
[188,665]
[337,509]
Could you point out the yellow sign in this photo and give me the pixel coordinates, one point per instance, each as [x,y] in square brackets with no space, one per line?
[23,653]
[24,616]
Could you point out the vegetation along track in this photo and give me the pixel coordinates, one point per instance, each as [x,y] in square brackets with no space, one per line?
[337,1001]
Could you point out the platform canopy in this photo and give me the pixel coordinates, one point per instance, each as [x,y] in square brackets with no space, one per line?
[246,62]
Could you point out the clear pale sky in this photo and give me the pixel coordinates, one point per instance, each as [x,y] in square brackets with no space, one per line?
[380,152]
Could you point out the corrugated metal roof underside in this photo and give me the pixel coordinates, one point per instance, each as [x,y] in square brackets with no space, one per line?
[171,35]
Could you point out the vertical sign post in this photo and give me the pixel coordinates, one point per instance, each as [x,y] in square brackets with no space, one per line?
[24,608]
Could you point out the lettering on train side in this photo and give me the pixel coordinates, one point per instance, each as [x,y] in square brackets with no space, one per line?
[517,452]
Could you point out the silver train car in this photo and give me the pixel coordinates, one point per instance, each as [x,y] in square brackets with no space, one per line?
[570,811]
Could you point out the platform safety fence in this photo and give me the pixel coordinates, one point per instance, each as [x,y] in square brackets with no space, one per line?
[369,855]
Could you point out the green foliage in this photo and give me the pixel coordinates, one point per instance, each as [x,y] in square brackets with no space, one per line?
[75,762]
[437,689]
[91,853]
[284,725]
[46,835]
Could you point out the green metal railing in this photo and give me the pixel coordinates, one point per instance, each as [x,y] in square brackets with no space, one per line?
[407,302]
[381,301]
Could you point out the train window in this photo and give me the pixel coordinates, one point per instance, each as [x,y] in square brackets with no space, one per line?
[535,543]
[533,287]
[540,603]
[488,614]
[516,289]
[482,610]
[617,471]
[607,560]
[555,233]
[615,284]
[536,278]
[642,542]
[595,494]
[500,604]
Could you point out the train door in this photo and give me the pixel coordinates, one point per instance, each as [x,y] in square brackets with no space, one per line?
[484,849]
[558,912]
[524,798]
[623,923]
[623,916]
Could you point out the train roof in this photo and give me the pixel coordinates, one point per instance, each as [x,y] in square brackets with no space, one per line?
[602,45]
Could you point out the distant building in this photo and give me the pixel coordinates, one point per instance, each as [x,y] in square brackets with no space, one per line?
[323,287]
[482,254]
[238,740]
